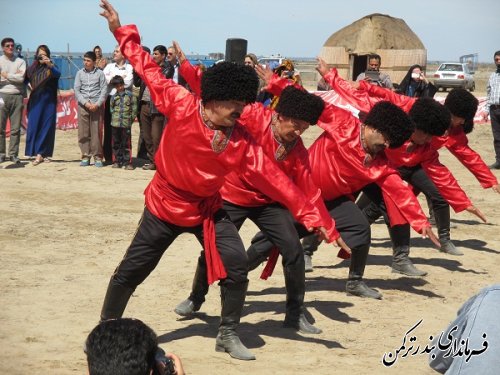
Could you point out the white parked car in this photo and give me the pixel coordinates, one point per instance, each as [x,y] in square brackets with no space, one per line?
[272,61]
[452,75]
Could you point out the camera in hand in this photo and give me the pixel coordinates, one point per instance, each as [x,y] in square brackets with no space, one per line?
[167,362]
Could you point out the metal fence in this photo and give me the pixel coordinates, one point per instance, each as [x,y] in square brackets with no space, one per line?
[69,65]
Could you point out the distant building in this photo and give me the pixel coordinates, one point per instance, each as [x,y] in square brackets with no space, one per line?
[391,38]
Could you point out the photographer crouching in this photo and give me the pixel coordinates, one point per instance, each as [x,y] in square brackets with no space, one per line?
[128,347]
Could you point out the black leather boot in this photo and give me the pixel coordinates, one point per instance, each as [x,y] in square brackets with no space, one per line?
[295,290]
[443,226]
[432,219]
[355,285]
[401,262]
[232,299]
[310,244]
[198,291]
[116,300]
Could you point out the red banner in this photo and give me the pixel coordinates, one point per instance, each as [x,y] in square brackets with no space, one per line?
[332,97]
[67,113]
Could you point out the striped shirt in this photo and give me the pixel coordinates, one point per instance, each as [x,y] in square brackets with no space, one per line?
[90,86]
[493,91]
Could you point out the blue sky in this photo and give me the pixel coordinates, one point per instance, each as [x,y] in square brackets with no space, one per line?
[448,28]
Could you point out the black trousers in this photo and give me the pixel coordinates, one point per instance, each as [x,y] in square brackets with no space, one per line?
[107,148]
[350,222]
[277,224]
[495,128]
[121,142]
[417,177]
[154,236]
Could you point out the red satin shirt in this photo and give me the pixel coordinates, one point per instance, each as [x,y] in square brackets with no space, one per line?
[189,171]
[338,168]
[408,155]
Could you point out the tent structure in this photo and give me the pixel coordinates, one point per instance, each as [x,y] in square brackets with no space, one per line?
[389,37]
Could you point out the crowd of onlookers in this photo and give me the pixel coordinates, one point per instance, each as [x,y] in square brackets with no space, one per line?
[108,103]
[110,97]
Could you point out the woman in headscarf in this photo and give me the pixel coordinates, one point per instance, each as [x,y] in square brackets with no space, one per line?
[42,77]
[415,84]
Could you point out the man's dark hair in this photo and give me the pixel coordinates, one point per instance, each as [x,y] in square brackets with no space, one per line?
[461,103]
[7,40]
[147,49]
[497,53]
[229,81]
[90,55]
[116,80]
[430,116]
[301,105]
[121,346]
[160,48]
[374,56]
[391,121]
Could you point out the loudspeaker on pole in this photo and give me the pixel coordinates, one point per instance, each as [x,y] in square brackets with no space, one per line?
[236,49]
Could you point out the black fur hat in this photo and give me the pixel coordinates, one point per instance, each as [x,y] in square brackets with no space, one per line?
[391,121]
[301,105]
[229,81]
[461,103]
[430,116]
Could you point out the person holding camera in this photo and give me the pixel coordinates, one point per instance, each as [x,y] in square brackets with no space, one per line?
[416,84]
[128,346]
[285,70]
[373,74]
[42,77]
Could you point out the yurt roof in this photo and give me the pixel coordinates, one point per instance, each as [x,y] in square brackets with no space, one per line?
[373,32]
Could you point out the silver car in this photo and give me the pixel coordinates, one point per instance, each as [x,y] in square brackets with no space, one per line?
[452,75]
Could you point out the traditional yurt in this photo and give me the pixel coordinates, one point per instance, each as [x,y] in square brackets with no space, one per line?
[391,38]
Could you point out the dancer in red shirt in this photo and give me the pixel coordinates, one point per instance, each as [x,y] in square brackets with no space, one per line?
[345,159]
[201,145]
[278,132]
[418,160]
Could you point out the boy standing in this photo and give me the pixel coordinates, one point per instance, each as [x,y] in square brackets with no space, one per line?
[123,107]
[90,92]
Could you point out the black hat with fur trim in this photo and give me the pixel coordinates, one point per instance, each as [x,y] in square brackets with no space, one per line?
[461,103]
[301,105]
[229,81]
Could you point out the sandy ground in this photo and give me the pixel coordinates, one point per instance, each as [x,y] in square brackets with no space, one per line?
[65,228]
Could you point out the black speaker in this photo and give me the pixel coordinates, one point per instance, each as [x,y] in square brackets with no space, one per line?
[236,49]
